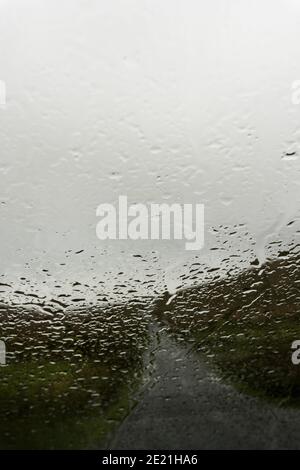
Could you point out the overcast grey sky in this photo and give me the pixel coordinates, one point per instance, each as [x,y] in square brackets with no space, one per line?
[163,101]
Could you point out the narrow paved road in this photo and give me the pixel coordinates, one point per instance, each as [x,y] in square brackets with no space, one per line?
[185,406]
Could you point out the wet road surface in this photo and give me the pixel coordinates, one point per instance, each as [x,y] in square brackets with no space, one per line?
[186,406]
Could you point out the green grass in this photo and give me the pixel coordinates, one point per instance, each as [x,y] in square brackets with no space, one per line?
[60,405]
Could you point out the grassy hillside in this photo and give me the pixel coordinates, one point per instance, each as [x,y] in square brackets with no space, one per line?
[69,376]
[245,325]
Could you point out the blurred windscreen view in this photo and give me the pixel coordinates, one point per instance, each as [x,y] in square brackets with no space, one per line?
[171,322]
